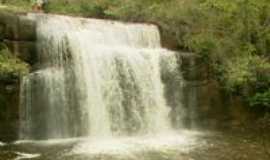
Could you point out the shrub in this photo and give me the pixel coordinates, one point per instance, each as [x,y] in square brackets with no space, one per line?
[10,66]
[261,99]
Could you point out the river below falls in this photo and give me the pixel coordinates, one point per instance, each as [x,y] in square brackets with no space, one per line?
[185,145]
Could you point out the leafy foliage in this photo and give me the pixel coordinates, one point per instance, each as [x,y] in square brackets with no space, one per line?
[261,99]
[10,66]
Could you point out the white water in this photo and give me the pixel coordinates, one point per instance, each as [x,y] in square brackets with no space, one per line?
[168,144]
[21,156]
[96,78]
[127,146]
[2,144]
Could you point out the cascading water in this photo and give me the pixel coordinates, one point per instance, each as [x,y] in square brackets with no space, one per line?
[95,78]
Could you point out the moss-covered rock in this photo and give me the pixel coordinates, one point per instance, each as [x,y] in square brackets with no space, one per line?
[11,66]
[193,67]
[17,27]
[24,50]
[11,70]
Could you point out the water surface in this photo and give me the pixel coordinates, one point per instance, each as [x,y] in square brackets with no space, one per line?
[186,145]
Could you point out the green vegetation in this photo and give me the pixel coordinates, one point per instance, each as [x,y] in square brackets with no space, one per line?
[16,5]
[10,66]
[233,36]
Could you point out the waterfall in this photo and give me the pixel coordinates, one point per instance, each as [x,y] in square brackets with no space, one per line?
[95,78]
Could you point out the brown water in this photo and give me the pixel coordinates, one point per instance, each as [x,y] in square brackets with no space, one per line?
[230,145]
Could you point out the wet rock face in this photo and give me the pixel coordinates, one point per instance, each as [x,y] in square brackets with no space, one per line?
[18,34]
[25,50]
[17,27]
[206,105]
[193,67]
[9,105]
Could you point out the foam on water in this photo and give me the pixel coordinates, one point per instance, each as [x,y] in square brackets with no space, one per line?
[165,142]
[49,142]
[2,144]
[21,156]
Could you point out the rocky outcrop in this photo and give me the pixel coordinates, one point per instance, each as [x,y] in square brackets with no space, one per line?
[206,103]
[198,100]
[19,34]
[9,115]
[25,50]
